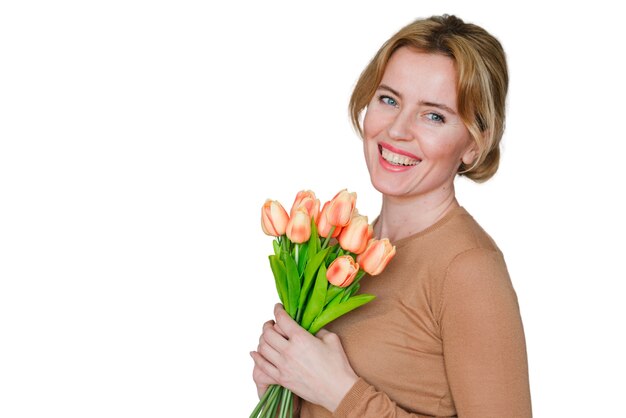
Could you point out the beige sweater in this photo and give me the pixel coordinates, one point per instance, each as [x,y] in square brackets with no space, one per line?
[444,336]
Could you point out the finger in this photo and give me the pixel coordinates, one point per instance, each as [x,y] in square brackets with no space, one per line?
[279,330]
[322,332]
[288,326]
[328,337]
[275,338]
[261,380]
[267,325]
[260,377]
[265,366]
[269,352]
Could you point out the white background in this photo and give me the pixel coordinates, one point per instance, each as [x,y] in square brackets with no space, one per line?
[138,140]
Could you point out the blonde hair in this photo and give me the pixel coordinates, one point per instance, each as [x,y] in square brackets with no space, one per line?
[482,82]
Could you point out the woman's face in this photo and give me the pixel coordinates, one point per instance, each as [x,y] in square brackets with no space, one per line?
[414,139]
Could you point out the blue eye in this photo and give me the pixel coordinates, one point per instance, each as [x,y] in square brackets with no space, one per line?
[436,117]
[388,101]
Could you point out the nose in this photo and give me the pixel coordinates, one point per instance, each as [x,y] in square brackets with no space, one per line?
[400,127]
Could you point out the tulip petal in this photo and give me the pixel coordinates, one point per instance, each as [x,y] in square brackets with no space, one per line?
[340,208]
[306,199]
[342,271]
[376,256]
[355,236]
[274,218]
[299,226]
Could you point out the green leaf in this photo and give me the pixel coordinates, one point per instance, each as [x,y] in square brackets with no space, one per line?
[315,303]
[285,245]
[302,257]
[353,288]
[333,254]
[336,300]
[280,277]
[351,291]
[309,273]
[332,292]
[314,241]
[276,247]
[293,284]
[334,312]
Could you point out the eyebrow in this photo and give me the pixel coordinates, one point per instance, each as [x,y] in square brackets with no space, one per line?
[421,102]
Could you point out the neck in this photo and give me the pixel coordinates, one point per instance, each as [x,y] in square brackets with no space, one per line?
[403,217]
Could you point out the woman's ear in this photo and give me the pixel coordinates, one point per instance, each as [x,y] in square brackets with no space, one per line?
[470,154]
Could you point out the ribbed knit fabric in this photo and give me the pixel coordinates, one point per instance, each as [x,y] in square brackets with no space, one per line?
[444,336]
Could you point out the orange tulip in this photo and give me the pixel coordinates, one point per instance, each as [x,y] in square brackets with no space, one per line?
[341,208]
[342,271]
[306,199]
[376,256]
[356,234]
[323,226]
[299,226]
[274,218]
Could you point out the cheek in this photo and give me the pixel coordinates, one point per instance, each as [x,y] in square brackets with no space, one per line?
[367,126]
[373,123]
[370,151]
[433,146]
[448,146]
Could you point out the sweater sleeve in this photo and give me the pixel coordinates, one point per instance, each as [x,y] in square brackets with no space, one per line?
[483,339]
[364,401]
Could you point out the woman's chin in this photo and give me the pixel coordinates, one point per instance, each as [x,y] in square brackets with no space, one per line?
[389,188]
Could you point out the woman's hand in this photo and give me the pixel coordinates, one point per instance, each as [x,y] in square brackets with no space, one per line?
[313,367]
[261,379]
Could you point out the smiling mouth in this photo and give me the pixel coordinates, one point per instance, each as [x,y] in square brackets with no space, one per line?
[397,159]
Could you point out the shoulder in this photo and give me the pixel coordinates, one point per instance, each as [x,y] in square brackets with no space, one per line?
[464,234]
[456,240]
[470,263]
[455,233]
[473,254]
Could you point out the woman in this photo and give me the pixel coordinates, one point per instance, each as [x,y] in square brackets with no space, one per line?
[444,336]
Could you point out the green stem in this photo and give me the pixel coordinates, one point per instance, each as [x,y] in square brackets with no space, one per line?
[297,253]
[330,234]
[299,315]
[270,411]
[285,244]
[283,403]
[290,403]
[261,403]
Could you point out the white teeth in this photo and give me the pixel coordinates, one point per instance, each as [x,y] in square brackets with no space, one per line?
[397,159]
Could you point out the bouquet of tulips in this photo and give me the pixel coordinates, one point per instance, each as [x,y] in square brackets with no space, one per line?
[319,258]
